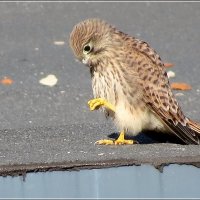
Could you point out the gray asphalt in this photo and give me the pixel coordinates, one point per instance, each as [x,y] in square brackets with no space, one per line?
[35,117]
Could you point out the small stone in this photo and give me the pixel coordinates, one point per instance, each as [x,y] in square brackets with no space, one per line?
[49,80]
[179,94]
[171,74]
[59,43]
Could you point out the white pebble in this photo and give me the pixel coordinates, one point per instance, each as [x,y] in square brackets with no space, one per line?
[59,43]
[49,80]
[179,94]
[171,74]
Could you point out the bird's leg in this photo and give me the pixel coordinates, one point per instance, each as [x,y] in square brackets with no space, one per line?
[120,140]
[95,104]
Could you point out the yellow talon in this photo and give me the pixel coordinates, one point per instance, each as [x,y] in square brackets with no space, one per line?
[119,141]
[95,104]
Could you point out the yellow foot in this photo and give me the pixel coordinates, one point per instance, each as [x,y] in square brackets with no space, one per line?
[95,104]
[115,142]
[105,142]
[119,141]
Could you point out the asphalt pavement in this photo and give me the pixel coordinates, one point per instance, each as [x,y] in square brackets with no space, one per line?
[41,125]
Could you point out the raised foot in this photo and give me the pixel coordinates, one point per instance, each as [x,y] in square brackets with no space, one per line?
[95,104]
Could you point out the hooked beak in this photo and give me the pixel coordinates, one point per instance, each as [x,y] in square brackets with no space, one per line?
[85,61]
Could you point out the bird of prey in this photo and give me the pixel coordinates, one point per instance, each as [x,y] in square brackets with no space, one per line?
[129,83]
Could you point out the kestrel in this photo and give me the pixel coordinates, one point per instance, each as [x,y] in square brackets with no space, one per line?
[129,83]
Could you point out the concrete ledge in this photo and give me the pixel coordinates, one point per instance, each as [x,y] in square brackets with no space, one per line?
[72,147]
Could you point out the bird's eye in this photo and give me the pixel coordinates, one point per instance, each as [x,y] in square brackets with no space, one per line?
[87,48]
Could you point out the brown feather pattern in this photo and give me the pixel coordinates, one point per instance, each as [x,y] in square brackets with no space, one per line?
[131,75]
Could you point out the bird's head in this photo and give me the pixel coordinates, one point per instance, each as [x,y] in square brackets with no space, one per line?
[90,39]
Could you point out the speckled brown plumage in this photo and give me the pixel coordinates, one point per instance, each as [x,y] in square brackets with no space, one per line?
[130,75]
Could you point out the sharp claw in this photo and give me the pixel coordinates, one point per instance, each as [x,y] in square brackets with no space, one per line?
[91,109]
[94,103]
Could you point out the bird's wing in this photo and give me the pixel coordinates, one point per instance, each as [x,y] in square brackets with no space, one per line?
[158,95]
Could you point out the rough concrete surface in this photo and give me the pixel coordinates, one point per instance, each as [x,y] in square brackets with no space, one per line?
[48,126]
